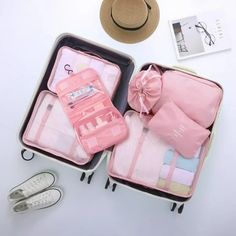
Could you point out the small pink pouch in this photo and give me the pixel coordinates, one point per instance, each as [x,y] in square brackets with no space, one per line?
[145,90]
[97,123]
[198,98]
[177,129]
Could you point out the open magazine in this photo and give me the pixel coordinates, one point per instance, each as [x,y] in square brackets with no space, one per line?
[199,34]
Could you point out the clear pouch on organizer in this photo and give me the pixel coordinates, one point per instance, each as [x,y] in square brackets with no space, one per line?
[50,130]
[97,123]
[70,61]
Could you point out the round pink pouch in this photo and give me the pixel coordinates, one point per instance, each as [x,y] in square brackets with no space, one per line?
[145,90]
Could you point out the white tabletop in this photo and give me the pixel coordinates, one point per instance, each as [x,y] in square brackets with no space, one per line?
[28,31]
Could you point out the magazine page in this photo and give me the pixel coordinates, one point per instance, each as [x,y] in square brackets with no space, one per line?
[200,34]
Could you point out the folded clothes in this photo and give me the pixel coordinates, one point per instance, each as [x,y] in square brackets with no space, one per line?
[174,187]
[182,163]
[180,176]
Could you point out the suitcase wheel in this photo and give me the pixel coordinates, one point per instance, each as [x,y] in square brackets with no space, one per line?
[27,155]
[180,208]
[174,205]
[113,186]
[107,183]
[83,176]
[90,178]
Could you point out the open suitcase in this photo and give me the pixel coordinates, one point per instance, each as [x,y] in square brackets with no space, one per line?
[145,163]
[46,108]
[46,131]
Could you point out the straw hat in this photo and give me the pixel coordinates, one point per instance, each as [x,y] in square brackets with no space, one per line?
[129,21]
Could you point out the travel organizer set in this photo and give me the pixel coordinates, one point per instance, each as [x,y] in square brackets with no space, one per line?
[50,128]
[155,129]
[169,130]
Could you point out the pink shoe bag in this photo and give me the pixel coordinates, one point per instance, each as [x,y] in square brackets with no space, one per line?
[70,61]
[50,130]
[197,98]
[97,123]
[144,159]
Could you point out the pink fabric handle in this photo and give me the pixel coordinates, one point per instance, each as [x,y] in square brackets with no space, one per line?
[44,120]
[137,153]
[171,171]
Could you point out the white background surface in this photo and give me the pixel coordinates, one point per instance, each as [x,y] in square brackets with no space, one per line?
[27,32]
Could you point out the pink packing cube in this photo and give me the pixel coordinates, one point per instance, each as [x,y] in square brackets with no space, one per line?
[97,123]
[50,130]
[146,163]
[70,61]
[177,129]
[138,158]
[198,98]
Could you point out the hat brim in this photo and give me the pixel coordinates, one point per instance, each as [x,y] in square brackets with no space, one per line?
[128,36]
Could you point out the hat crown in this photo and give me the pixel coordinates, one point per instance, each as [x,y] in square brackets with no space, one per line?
[129,13]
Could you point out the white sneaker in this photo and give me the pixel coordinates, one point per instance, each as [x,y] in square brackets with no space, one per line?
[31,186]
[38,201]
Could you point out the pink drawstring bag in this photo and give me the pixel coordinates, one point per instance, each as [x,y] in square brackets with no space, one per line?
[145,90]
[177,129]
